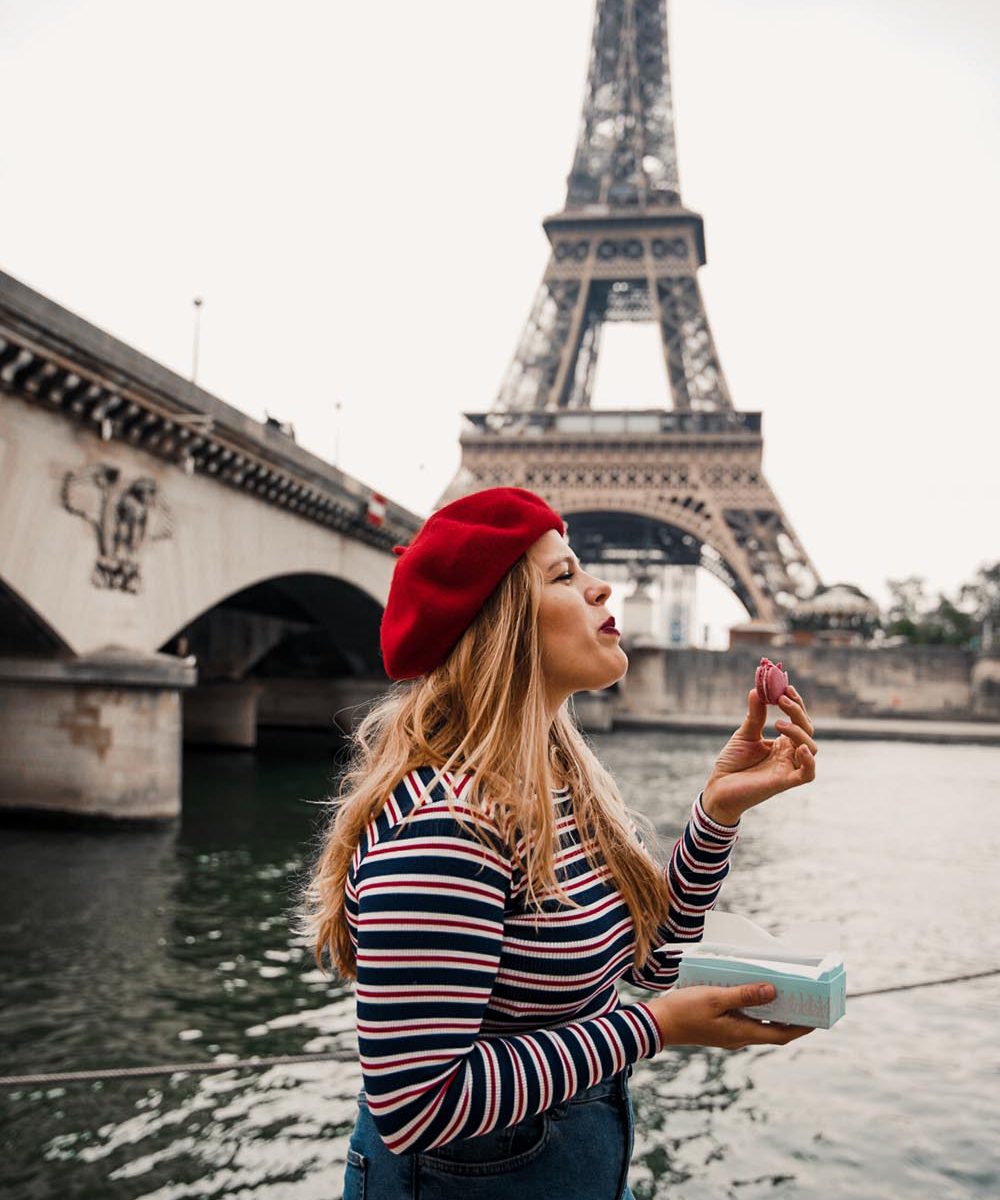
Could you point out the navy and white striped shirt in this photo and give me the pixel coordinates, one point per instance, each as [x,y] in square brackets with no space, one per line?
[469,1017]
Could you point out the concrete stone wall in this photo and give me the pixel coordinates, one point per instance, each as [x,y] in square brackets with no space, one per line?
[90,751]
[843,681]
[96,737]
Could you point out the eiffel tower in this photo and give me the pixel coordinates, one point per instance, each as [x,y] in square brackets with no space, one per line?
[680,485]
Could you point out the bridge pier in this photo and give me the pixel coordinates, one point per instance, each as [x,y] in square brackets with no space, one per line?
[95,736]
[229,712]
[222,713]
[639,612]
[329,704]
[594,711]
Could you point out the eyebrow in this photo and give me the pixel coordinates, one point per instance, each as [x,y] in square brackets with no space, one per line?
[565,559]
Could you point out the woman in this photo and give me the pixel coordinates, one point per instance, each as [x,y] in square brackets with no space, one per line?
[485,885]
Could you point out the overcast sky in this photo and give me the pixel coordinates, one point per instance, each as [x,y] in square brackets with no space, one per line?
[357,190]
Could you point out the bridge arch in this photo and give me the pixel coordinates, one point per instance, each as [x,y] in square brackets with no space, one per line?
[24,631]
[307,621]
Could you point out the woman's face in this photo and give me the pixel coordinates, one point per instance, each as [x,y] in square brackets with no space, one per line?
[577,654]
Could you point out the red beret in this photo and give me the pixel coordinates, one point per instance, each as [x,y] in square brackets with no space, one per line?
[443,578]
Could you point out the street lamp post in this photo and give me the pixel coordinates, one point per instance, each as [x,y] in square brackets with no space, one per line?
[197,332]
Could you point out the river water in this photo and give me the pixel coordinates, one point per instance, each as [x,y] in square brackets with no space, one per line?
[130,947]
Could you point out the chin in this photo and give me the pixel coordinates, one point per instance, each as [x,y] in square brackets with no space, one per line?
[611,677]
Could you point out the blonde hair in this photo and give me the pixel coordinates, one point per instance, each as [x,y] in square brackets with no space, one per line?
[483,710]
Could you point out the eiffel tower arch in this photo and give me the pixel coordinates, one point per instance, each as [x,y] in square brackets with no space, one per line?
[681,485]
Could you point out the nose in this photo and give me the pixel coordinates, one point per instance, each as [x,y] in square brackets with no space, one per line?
[598,592]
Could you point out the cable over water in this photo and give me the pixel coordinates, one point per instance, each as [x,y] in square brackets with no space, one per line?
[259,1063]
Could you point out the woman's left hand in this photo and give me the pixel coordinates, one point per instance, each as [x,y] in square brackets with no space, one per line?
[752,768]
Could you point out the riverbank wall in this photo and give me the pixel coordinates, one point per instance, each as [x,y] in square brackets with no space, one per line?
[909,682]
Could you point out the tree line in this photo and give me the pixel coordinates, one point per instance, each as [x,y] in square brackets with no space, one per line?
[969,618]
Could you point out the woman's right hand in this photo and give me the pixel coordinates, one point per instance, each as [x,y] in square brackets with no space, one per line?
[704,1016]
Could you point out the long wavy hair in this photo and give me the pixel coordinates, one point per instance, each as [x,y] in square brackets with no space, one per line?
[483,711]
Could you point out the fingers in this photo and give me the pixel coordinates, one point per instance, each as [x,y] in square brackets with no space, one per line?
[793,708]
[748,1032]
[707,1015]
[798,728]
[793,692]
[756,718]
[744,996]
[796,735]
[805,763]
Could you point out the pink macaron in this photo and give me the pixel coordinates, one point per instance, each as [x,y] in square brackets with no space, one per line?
[771,681]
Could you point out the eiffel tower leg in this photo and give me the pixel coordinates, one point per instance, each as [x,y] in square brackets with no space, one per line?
[722,556]
[538,371]
[749,543]
[777,559]
[696,379]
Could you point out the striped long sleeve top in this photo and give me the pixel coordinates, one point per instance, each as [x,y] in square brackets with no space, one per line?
[469,1017]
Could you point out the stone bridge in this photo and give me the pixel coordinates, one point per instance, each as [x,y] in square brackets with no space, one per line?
[154,541]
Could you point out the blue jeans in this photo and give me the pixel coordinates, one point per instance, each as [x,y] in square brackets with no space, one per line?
[579,1150]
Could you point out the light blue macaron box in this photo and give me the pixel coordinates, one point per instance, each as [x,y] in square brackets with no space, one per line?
[810,985]
[799,1000]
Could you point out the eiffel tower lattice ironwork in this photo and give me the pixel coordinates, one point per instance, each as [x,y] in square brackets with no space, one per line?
[678,485]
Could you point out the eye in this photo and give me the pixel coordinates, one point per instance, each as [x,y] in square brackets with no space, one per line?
[565,575]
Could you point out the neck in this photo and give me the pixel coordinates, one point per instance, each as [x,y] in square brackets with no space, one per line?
[553,704]
[558,778]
